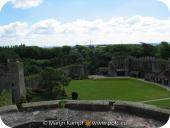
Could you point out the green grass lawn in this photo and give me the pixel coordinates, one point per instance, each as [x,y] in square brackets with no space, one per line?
[161,103]
[117,89]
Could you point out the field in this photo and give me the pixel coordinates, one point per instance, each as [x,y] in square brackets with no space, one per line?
[120,89]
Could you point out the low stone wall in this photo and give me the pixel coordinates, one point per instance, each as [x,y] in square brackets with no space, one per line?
[88,105]
[133,108]
[8,109]
[40,105]
[143,110]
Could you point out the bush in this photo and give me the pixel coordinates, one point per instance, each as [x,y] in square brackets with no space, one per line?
[21,100]
[58,92]
[62,104]
[5,98]
[29,94]
[74,95]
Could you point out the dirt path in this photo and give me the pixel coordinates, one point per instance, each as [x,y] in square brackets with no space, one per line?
[155,100]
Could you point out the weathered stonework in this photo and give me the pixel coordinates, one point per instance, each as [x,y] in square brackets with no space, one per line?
[8,109]
[40,105]
[134,114]
[12,79]
[148,68]
[102,71]
[88,105]
[75,71]
[148,111]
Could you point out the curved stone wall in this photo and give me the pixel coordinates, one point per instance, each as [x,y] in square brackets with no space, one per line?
[131,110]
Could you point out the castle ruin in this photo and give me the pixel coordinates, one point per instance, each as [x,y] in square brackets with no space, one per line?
[150,68]
[12,79]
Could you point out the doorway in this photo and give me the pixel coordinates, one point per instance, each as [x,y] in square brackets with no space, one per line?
[13,94]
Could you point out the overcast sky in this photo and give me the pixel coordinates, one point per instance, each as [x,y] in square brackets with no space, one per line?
[71,22]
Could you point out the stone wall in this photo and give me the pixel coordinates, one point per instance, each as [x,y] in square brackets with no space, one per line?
[148,68]
[133,108]
[81,110]
[102,71]
[88,105]
[143,110]
[12,78]
[76,71]
[8,109]
[119,66]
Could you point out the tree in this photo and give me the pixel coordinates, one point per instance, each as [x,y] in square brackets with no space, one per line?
[66,49]
[7,54]
[85,55]
[164,50]
[58,92]
[148,49]
[136,50]
[54,81]
[75,57]
[102,57]
[31,69]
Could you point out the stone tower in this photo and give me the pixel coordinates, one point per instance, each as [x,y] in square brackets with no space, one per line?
[15,76]
[12,79]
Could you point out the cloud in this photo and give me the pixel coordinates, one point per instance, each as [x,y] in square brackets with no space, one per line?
[2,3]
[26,3]
[52,32]
[21,3]
[166,2]
[16,30]
[49,26]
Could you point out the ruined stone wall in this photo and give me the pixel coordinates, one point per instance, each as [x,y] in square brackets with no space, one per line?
[12,78]
[149,68]
[3,76]
[102,71]
[76,71]
[143,64]
[118,64]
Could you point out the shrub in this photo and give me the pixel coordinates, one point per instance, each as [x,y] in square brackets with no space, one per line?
[29,94]
[74,95]
[5,97]
[21,100]
[57,92]
[62,104]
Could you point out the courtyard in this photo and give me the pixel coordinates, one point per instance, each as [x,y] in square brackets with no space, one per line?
[123,89]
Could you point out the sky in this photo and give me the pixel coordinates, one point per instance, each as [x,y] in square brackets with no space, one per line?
[83,22]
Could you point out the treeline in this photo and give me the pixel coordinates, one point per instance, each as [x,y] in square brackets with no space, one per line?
[37,58]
